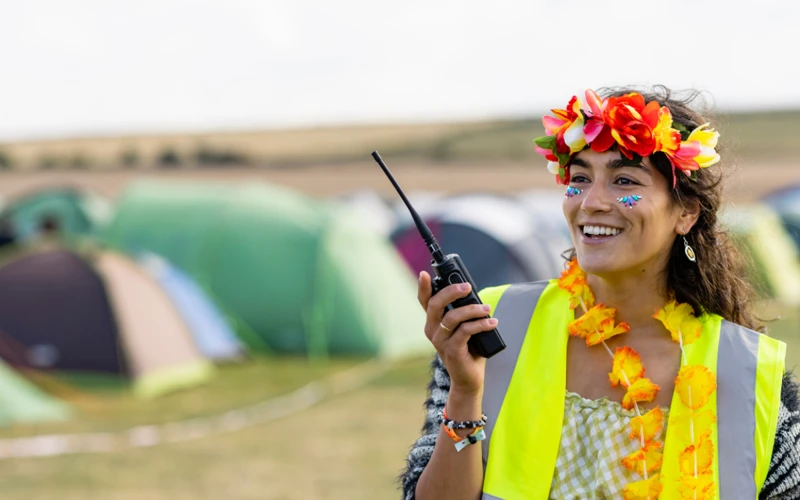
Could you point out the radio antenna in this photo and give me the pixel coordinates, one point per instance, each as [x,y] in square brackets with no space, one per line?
[424,230]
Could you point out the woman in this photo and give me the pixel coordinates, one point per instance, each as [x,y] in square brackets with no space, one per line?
[638,373]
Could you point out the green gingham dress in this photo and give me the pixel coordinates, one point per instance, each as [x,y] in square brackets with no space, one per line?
[594,440]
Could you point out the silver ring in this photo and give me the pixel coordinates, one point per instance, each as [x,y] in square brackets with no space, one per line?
[444,327]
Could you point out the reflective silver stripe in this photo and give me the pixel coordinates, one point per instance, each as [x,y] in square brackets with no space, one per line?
[513,311]
[487,496]
[737,360]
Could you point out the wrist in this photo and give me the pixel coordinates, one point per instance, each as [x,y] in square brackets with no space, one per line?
[464,405]
[465,394]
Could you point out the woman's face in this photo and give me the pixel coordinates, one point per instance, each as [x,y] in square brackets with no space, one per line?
[611,237]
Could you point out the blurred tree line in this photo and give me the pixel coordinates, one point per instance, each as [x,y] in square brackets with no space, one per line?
[167,157]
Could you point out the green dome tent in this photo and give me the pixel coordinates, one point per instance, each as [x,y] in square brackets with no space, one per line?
[294,275]
[76,212]
[22,402]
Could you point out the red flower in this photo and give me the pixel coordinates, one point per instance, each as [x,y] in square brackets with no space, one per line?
[632,123]
[597,133]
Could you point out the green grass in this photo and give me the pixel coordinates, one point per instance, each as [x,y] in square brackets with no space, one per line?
[103,404]
[351,446]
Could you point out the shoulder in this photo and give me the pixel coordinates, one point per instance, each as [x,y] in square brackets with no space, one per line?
[789,392]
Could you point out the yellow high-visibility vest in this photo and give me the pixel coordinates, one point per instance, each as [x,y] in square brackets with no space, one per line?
[525,387]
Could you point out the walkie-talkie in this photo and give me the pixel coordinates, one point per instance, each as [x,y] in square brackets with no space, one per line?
[449,270]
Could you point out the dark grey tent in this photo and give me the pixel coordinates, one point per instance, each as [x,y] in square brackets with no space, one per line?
[100,314]
[55,305]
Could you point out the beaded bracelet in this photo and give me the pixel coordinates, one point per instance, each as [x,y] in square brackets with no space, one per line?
[467,424]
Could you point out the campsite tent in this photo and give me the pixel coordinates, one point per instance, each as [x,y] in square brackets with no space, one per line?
[545,206]
[494,236]
[296,275]
[209,328]
[22,402]
[76,212]
[786,202]
[64,313]
[772,255]
[373,210]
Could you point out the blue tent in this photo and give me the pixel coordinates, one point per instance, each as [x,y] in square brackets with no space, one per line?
[214,337]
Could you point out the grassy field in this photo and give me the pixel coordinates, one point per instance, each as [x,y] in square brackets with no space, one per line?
[352,446]
[747,137]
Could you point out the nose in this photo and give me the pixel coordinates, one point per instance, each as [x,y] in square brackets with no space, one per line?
[597,199]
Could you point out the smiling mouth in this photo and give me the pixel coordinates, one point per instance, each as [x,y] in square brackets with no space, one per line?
[600,232]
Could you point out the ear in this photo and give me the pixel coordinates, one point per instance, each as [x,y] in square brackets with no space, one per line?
[690,212]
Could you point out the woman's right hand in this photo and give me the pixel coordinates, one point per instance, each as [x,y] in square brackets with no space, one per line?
[466,371]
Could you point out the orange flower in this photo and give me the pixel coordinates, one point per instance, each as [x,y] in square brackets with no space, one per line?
[591,321]
[679,319]
[650,455]
[628,361]
[703,461]
[641,391]
[695,384]
[606,331]
[702,485]
[649,489]
[701,422]
[632,123]
[573,280]
[648,425]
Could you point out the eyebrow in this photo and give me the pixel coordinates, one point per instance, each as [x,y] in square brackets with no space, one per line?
[615,163]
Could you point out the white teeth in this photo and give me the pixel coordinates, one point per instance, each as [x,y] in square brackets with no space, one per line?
[600,230]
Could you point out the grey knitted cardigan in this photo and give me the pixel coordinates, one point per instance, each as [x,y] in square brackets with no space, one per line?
[783,478]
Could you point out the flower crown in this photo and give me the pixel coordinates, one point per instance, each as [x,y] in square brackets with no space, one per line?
[639,129]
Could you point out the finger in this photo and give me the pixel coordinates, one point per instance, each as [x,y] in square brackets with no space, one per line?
[470,328]
[459,315]
[448,295]
[440,332]
[454,319]
[424,289]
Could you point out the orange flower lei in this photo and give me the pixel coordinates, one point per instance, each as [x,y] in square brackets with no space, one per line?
[694,385]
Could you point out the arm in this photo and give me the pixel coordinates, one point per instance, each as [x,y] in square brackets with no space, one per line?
[434,469]
[783,478]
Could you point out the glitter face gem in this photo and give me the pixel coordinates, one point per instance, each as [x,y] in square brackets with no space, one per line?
[629,201]
[571,191]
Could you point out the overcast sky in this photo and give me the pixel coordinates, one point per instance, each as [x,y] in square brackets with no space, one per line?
[91,67]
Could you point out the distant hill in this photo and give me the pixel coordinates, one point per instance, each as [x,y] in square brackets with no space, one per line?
[749,137]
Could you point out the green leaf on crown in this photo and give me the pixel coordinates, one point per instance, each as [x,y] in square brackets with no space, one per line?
[682,129]
[546,142]
[563,158]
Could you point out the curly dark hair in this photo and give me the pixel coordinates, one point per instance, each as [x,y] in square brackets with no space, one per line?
[715,283]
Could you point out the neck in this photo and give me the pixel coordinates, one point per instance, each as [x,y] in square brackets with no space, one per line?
[635,297]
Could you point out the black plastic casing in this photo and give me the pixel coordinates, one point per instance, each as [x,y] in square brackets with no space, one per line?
[451,271]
